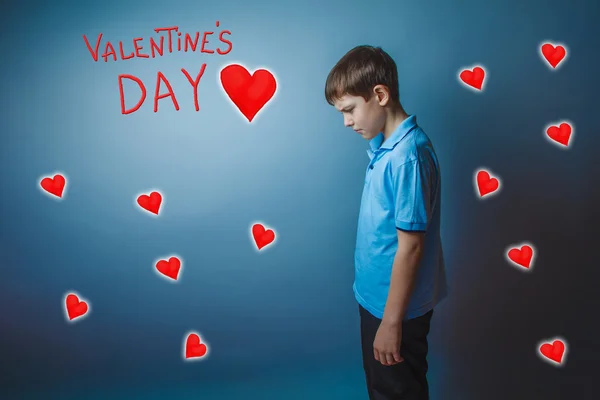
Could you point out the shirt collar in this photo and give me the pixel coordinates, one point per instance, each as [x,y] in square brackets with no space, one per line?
[399,133]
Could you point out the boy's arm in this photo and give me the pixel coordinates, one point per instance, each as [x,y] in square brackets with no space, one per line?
[411,190]
[404,271]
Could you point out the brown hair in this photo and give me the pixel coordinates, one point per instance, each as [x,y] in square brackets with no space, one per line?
[358,71]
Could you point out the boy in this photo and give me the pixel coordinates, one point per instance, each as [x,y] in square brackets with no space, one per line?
[399,267]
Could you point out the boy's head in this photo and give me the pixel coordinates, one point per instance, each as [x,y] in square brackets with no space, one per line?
[363,85]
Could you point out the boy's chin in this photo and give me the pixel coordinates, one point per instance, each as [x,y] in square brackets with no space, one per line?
[366,135]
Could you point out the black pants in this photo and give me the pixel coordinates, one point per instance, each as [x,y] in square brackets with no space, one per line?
[406,380]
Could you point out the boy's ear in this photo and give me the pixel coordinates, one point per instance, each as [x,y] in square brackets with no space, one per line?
[382,93]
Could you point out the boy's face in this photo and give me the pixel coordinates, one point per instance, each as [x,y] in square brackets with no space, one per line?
[367,118]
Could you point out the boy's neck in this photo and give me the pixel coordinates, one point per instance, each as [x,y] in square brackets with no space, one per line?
[395,116]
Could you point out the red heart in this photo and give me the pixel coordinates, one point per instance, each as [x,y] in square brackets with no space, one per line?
[473,77]
[75,308]
[554,55]
[193,348]
[262,237]
[54,185]
[150,203]
[554,351]
[522,257]
[486,184]
[248,93]
[560,134]
[169,268]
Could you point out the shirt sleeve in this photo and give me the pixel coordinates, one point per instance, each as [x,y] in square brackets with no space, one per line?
[411,188]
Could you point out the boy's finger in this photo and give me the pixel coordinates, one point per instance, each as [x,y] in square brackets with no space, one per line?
[397,357]
[376,354]
[390,359]
[383,360]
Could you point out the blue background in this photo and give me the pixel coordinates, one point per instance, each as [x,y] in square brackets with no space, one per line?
[282,323]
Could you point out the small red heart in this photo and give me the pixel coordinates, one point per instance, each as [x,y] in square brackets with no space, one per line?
[554,351]
[486,183]
[75,308]
[193,347]
[560,134]
[554,55]
[150,203]
[261,236]
[54,185]
[169,268]
[248,92]
[522,257]
[474,77]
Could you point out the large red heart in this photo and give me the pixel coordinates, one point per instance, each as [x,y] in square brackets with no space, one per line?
[54,185]
[554,351]
[248,92]
[75,308]
[193,347]
[522,257]
[473,78]
[261,236]
[560,134]
[169,268]
[486,184]
[150,203]
[554,55]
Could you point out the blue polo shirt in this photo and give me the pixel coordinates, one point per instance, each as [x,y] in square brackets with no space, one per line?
[402,191]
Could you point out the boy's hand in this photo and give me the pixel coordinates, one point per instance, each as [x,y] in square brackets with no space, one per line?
[387,343]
